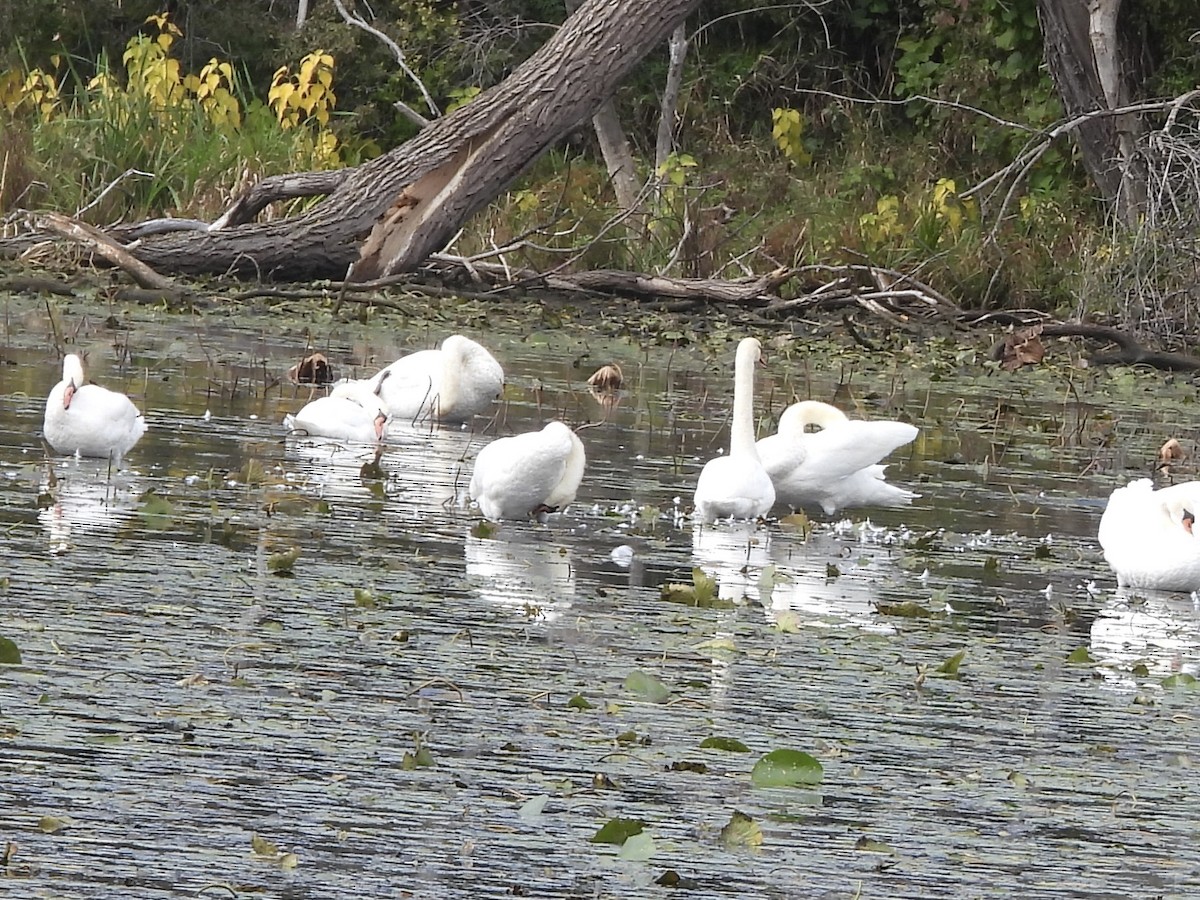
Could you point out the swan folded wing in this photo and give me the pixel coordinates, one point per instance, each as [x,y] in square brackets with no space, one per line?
[515,475]
[409,386]
[833,453]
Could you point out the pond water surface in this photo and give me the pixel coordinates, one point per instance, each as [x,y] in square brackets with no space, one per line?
[424,707]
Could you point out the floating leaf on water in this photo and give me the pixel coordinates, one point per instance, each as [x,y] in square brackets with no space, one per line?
[531,809]
[1080,656]
[702,592]
[728,744]
[950,666]
[717,645]
[868,845]
[786,768]
[647,686]
[1016,779]
[54,824]
[288,861]
[1140,670]
[832,571]
[578,702]
[156,513]
[1180,680]
[618,831]
[741,832]
[283,562]
[364,597]
[797,522]
[10,653]
[483,529]
[638,847]
[262,847]
[422,758]
[685,765]
[906,609]
[788,621]
[1042,551]
[627,737]
[991,566]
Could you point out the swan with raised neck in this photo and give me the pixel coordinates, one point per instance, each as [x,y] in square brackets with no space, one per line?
[737,486]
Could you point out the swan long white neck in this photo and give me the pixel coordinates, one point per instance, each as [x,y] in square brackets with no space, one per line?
[741,431]
[454,358]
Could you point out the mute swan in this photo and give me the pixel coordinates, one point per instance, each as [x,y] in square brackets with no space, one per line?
[1148,537]
[737,486]
[448,385]
[88,420]
[351,412]
[531,473]
[837,466]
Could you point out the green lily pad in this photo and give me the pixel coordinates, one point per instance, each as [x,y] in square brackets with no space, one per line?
[10,653]
[1080,656]
[156,513]
[728,744]
[638,847]
[950,666]
[741,832]
[786,768]
[618,831]
[647,686]
[1180,680]
[283,562]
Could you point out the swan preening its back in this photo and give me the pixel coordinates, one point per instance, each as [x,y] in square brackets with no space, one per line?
[89,420]
[528,474]
[1148,536]
[351,412]
[737,486]
[449,385]
[836,467]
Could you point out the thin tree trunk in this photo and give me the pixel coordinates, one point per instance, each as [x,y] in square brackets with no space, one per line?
[1091,70]
[413,199]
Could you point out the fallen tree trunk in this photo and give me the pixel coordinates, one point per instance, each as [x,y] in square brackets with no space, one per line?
[401,207]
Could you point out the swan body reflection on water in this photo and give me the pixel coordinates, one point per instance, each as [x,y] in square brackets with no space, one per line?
[79,496]
[524,569]
[825,580]
[1158,630]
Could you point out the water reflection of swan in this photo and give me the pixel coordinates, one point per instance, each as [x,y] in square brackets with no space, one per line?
[527,570]
[77,496]
[1160,631]
[338,471]
[788,575]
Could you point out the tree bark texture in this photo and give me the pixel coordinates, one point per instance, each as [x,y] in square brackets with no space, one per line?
[413,199]
[1092,68]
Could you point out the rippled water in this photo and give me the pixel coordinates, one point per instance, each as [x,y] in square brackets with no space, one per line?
[178,697]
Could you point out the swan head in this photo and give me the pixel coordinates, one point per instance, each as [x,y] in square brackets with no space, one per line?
[749,354]
[797,417]
[72,377]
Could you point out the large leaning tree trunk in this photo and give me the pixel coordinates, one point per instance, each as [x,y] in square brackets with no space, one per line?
[1095,69]
[389,214]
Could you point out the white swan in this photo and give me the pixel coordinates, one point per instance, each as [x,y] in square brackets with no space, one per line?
[1148,536]
[737,486]
[351,412]
[837,466]
[528,474]
[448,385]
[88,420]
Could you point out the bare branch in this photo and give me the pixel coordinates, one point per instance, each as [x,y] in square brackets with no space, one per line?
[359,22]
